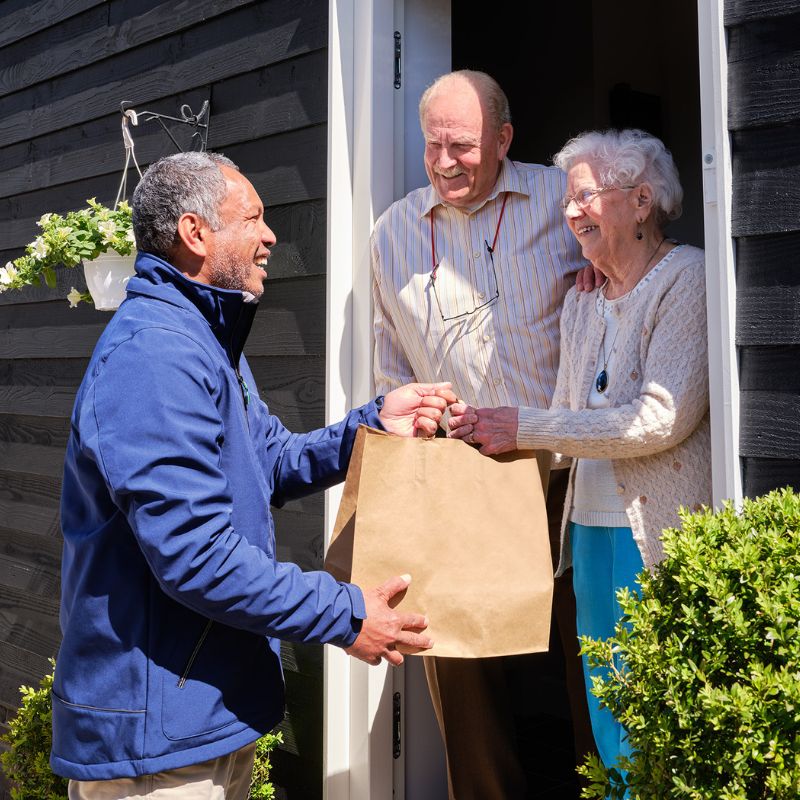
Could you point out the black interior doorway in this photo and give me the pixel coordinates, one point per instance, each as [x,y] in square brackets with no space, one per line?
[571,67]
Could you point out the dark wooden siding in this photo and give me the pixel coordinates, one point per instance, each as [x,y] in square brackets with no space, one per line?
[65,65]
[764,121]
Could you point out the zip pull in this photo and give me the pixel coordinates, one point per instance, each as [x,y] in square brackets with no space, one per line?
[245,390]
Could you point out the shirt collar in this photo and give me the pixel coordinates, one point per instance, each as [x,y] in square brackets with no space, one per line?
[509,180]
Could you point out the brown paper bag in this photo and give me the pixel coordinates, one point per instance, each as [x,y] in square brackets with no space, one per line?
[470,530]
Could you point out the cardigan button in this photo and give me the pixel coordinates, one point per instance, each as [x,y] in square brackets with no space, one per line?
[643,499]
[677,466]
[620,488]
[634,375]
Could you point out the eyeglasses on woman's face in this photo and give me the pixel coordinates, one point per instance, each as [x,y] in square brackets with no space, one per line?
[584,197]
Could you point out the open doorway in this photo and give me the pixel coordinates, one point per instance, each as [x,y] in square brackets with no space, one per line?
[566,68]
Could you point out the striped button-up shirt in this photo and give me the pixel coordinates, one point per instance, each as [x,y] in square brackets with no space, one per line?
[505,353]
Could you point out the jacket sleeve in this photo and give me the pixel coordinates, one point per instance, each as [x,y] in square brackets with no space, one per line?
[158,444]
[673,397]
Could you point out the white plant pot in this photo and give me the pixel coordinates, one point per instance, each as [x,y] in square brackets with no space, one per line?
[106,277]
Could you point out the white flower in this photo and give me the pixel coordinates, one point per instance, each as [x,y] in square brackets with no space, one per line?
[39,248]
[74,297]
[44,219]
[108,229]
[7,274]
[129,236]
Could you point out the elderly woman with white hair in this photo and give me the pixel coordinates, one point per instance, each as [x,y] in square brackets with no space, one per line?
[631,401]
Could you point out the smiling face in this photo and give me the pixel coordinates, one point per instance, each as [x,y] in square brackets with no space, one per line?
[463,151]
[606,227]
[238,252]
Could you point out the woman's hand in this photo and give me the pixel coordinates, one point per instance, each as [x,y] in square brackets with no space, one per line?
[494,429]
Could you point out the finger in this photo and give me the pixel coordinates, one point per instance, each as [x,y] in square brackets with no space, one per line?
[460,420]
[433,401]
[407,639]
[417,622]
[460,408]
[461,432]
[431,412]
[433,388]
[394,657]
[448,394]
[428,427]
[394,586]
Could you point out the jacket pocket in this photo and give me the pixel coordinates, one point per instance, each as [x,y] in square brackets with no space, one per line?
[84,734]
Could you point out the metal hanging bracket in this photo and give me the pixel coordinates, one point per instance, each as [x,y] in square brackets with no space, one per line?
[198,121]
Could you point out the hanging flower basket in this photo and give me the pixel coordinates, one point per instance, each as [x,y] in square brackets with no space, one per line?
[78,236]
[106,278]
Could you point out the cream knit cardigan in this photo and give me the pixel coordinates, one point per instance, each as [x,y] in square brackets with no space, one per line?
[656,431]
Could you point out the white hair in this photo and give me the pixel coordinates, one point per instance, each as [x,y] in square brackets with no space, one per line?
[627,158]
[488,89]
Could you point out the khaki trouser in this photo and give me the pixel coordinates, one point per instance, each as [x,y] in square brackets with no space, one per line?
[224,778]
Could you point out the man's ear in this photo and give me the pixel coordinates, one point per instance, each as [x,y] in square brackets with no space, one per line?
[192,232]
[504,137]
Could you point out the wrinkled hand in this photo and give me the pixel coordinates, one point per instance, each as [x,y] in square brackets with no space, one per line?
[416,407]
[589,279]
[494,429]
[385,632]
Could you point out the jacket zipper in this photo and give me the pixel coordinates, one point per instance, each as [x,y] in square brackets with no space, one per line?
[193,656]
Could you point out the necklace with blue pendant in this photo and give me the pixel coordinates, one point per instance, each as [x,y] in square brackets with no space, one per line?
[601,381]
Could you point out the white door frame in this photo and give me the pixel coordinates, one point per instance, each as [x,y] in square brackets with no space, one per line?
[357,743]
[720,265]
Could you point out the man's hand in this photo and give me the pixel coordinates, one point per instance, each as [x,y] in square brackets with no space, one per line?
[385,631]
[494,429]
[589,279]
[416,407]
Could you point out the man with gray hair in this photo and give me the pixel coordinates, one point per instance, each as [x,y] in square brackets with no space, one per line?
[469,277]
[173,602]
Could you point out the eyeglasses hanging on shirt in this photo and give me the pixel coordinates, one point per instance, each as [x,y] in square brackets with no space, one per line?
[494,294]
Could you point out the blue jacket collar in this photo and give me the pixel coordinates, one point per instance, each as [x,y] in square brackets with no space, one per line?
[225,310]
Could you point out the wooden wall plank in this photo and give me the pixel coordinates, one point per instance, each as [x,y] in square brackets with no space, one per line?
[770,424]
[740,11]
[762,475]
[766,181]
[247,39]
[42,431]
[764,73]
[32,459]
[294,389]
[52,53]
[768,261]
[47,401]
[765,316]
[40,15]
[769,369]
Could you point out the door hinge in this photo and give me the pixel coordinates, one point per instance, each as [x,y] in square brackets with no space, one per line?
[398,78]
[396,712]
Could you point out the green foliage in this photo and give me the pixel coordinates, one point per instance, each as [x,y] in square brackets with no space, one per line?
[707,680]
[26,763]
[29,737]
[261,788]
[78,236]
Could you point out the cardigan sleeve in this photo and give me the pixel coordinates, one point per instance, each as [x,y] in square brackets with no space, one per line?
[674,390]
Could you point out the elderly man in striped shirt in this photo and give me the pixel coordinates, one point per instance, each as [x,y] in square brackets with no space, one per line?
[469,277]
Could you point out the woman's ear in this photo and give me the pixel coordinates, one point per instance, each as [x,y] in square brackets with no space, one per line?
[643,201]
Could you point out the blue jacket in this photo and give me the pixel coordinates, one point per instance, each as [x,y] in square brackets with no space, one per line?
[173,602]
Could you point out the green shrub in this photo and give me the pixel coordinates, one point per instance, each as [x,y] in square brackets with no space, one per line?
[26,762]
[708,684]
